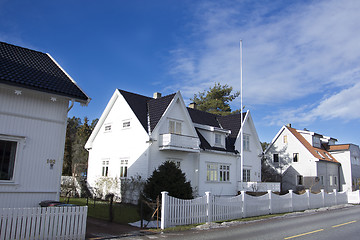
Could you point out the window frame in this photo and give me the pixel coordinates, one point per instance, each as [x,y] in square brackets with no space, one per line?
[20,144]
[126,124]
[277,158]
[105,167]
[246,175]
[218,172]
[175,126]
[246,142]
[296,157]
[299,180]
[124,166]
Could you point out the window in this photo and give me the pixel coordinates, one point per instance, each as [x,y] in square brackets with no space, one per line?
[276,157]
[105,168]
[107,127]
[224,173]
[322,180]
[295,157]
[246,142]
[331,180]
[176,161]
[211,172]
[7,159]
[126,124]
[123,168]
[335,180]
[299,180]
[246,175]
[285,139]
[217,139]
[218,172]
[174,127]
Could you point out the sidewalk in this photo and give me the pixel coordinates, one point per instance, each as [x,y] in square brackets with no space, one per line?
[101,229]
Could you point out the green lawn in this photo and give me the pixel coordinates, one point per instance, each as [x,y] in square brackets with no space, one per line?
[123,213]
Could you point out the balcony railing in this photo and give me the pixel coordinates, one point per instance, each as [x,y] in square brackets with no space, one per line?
[259,186]
[178,142]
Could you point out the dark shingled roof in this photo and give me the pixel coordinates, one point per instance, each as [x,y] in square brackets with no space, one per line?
[203,118]
[35,70]
[157,107]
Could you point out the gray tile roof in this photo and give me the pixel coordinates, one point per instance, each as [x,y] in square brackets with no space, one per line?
[35,70]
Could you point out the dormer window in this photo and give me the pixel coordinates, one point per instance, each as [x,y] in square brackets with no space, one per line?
[174,127]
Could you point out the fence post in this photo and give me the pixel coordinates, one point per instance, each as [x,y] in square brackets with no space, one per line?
[335,196]
[270,202]
[308,198]
[243,204]
[164,212]
[209,207]
[323,197]
[291,200]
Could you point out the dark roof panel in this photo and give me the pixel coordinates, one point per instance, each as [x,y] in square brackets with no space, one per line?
[35,70]
[157,107]
[203,118]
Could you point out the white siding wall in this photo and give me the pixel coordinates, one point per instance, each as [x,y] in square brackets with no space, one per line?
[252,158]
[119,143]
[218,188]
[41,124]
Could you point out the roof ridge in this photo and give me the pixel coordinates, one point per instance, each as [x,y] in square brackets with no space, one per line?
[17,46]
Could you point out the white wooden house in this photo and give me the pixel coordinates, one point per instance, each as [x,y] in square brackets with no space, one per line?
[34,101]
[135,134]
[308,160]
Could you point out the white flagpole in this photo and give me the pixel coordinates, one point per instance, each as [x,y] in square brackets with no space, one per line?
[241,120]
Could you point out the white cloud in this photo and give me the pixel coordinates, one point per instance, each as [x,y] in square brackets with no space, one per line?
[291,51]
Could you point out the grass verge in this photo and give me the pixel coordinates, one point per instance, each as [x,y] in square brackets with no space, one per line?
[123,213]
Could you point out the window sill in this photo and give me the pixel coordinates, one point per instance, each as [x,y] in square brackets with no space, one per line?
[7,182]
[228,182]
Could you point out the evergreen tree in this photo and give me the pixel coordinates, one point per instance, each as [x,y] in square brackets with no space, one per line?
[216,100]
[75,155]
[168,178]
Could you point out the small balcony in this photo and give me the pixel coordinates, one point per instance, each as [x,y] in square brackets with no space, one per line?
[259,186]
[176,142]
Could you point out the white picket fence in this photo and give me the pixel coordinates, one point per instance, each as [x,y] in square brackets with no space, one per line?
[43,223]
[211,208]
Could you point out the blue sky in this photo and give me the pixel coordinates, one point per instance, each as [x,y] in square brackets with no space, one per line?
[301,59]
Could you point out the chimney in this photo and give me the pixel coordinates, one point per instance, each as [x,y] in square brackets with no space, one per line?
[192,105]
[288,125]
[157,95]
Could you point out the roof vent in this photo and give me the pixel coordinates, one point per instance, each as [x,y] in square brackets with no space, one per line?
[192,105]
[157,95]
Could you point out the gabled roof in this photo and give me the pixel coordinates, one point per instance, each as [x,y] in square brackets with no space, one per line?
[318,153]
[26,68]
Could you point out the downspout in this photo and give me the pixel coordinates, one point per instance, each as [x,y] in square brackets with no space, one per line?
[71,105]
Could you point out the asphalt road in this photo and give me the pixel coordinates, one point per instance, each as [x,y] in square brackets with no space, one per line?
[343,224]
